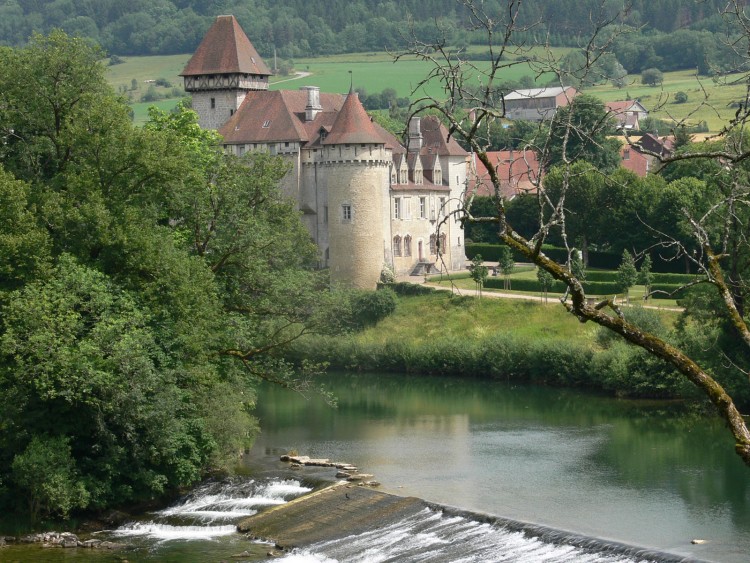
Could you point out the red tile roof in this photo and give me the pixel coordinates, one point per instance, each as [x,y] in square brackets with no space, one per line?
[279,115]
[353,125]
[516,170]
[436,140]
[225,49]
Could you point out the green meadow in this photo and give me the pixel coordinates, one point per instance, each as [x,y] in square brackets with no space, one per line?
[708,100]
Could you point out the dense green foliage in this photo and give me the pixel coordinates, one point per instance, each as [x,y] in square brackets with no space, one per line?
[146,280]
[665,34]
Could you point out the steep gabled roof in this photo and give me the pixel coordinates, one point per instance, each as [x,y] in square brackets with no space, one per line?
[436,140]
[515,170]
[353,125]
[225,49]
[279,115]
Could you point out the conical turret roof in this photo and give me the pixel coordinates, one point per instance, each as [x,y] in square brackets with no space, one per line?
[353,125]
[225,49]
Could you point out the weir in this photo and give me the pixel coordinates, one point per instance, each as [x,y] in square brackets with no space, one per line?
[334,512]
[345,520]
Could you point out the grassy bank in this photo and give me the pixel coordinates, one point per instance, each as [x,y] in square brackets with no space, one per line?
[515,340]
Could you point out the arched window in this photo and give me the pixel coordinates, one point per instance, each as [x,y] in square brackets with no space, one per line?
[433,245]
[397,245]
[407,245]
[443,243]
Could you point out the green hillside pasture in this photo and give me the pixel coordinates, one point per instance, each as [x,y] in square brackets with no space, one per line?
[373,72]
[707,100]
[146,68]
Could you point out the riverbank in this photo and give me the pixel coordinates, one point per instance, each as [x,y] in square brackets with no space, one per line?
[512,340]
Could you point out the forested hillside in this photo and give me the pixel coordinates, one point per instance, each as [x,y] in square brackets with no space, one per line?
[320,27]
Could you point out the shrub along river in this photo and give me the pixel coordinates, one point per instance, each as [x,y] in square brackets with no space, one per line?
[590,474]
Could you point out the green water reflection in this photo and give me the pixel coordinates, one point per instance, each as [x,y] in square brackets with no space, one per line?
[649,473]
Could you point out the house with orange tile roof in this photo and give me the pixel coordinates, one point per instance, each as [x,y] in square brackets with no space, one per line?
[627,114]
[518,172]
[367,198]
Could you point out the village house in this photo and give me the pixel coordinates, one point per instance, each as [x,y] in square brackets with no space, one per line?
[367,199]
[627,114]
[518,172]
[537,104]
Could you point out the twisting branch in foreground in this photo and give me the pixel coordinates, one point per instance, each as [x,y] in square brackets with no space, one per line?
[472,101]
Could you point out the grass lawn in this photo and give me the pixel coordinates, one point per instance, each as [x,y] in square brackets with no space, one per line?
[424,318]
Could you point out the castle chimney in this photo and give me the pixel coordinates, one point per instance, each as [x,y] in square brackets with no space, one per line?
[313,102]
[415,134]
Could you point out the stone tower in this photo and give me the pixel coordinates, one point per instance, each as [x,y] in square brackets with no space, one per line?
[358,172]
[221,71]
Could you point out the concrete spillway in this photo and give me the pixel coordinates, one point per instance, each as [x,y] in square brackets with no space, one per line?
[334,512]
[345,522]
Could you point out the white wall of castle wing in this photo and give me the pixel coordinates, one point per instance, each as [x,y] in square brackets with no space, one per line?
[457,170]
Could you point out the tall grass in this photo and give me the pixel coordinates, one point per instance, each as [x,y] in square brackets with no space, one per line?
[499,339]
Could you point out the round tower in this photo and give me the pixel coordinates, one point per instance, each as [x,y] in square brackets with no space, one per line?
[358,176]
[221,72]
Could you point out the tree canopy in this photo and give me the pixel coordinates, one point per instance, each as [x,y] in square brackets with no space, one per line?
[146,280]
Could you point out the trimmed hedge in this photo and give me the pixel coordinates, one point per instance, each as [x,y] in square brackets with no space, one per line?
[406,288]
[601,276]
[593,288]
[597,259]
[676,279]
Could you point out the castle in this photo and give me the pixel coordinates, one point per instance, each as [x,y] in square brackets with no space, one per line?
[366,199]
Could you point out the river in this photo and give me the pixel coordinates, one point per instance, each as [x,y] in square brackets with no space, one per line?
[566,476]
[641,472]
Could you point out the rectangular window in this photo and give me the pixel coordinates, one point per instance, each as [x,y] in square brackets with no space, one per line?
[422,208]
[346,212]
[213,103]
[443,210]
[397,208]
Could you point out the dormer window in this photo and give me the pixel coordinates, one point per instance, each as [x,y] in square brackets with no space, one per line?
[323,134]
[266,124]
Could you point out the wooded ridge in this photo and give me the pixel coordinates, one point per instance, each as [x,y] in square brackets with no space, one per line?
[667,34]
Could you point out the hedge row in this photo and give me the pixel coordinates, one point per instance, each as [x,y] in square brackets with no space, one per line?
[593,288]
[406,288]
[597,259]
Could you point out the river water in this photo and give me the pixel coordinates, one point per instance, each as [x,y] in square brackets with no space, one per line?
[642,473]
[538,474]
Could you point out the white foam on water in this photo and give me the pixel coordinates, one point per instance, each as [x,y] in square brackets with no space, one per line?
[429,536]
[165,532]
[211,515]
[210,505]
